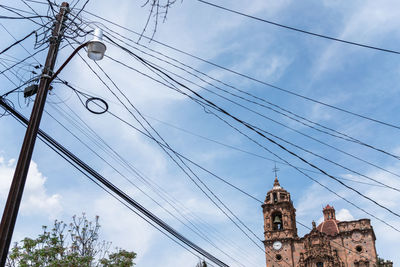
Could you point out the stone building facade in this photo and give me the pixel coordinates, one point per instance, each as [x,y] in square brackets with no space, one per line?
[330,244]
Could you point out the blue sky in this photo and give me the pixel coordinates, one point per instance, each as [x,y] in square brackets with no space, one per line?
[357,79]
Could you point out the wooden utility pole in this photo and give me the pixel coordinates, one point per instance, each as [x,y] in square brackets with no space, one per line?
[21,171]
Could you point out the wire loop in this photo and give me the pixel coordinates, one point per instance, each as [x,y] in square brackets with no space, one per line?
[91,99]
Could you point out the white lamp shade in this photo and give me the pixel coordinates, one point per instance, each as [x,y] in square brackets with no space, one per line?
[96,47]
[96,50]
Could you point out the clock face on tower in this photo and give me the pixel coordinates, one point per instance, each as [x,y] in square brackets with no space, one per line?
[277,245]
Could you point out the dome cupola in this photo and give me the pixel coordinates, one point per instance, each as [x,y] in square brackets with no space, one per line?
[329,225]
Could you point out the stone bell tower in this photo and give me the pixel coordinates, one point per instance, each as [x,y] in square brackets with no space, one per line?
[280,229]
[332,243]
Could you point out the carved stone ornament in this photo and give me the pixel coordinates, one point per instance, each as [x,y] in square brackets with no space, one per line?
[356,237]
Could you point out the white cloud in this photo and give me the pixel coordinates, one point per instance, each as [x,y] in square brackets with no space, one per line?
[35,200]
[269,68]
[124,228]
[262,8]
[318,113]
[344,215]
[220,37]
[396,150]
[177,260]
[341,215]
[315,197]
[367,24]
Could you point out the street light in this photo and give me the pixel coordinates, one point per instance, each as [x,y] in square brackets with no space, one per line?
[96,47]
[96,50]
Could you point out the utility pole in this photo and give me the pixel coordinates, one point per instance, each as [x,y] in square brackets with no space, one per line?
[21,171]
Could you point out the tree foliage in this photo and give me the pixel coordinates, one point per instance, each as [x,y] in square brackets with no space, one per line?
[201,264]
[75,244]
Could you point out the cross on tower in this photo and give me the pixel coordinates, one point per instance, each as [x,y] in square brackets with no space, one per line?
[275,170]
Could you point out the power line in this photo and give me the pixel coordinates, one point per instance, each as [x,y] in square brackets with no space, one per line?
[197,165]
[99,178]
[198,232]
[242,191]
[324,158]
[31,18]
[346,137]
[308,176]
[179,128]
[27,68]
[160,69]
[163,145]
[247,76]
[17,42]
[27,17]
[33,10]
[258,132]
[247,194]
[190,171]
[232,147]
[14,8]
[343,136]
[300,30]
[248,152]
[14,11]
[252,128]
[308,151]
[176,205]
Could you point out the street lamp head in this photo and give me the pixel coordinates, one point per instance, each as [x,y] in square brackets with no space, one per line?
[96,47]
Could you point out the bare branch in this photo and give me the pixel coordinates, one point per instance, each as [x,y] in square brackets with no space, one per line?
[158,9]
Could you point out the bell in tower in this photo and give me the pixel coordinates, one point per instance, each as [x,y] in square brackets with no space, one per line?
[277,222]
[279,225]
[279,213]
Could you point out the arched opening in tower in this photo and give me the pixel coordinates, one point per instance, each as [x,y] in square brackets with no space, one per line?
[277,223]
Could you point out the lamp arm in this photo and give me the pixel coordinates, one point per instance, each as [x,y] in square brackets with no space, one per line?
[67,61]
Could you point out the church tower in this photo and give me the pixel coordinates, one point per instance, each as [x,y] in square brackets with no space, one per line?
[332,243]
[280,229]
